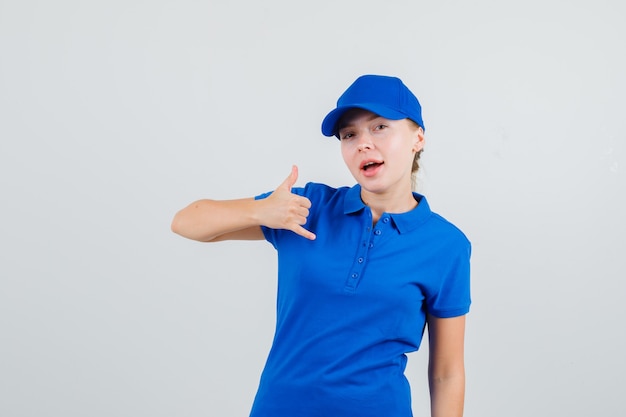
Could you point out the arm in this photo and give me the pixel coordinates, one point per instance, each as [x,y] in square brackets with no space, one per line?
[446,367]
[212,220]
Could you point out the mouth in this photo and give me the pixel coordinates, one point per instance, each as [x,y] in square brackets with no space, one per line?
[368,165]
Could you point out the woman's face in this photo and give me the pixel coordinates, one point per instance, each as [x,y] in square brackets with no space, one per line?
[379,152]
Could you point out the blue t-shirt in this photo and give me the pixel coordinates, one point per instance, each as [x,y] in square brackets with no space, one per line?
[353,302]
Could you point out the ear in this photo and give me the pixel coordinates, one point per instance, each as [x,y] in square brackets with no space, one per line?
[418,139]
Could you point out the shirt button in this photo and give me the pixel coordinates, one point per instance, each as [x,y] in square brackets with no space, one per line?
[386,220]
[353,276]
[377,232]
[371,245]
[360,260]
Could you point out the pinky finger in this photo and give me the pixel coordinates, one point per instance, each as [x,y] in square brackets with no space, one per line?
[304,233]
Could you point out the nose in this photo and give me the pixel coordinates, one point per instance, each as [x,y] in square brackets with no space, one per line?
[365,142]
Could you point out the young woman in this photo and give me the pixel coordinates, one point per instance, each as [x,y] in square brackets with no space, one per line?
[362,270]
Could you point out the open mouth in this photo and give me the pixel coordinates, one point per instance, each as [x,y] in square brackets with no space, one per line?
[370,165]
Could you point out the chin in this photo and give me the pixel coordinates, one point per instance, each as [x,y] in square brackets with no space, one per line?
[373,187]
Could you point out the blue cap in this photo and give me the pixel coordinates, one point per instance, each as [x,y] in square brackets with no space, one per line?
[385,96]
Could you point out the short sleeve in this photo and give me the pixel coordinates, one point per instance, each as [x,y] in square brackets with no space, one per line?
[451,296]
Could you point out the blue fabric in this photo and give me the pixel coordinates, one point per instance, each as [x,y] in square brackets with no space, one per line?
[353,302]
[385,96]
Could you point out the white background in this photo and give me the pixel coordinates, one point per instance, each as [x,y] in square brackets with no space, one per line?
[115,114]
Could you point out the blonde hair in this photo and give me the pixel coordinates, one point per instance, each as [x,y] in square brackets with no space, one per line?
[416,164]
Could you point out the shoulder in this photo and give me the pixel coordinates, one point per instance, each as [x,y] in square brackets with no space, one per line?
[428,224]
[449,228]
[326,200]
[443,230]
[320,192]
[317,193]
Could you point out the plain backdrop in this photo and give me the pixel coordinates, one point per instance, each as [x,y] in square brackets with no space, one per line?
[116,114]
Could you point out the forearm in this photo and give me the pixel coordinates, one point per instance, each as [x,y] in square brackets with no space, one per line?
[207,220]
[447,394]
[446,366]
[212,220]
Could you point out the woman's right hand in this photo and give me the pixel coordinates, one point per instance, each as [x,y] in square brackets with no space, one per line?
[286,210]
[214,220]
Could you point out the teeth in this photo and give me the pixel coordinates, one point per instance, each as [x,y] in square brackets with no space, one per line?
[369,164]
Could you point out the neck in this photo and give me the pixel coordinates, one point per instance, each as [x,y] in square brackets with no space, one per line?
[384,203]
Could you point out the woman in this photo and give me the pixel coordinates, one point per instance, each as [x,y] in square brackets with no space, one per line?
[362,270]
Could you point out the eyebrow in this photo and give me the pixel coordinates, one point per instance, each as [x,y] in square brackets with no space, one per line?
[345,123]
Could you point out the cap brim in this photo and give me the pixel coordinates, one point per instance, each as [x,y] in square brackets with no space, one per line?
[330,121]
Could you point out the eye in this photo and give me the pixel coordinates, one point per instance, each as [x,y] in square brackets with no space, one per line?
[380,127]
[346,135]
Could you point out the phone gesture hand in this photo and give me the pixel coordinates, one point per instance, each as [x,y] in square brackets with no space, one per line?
[286,210]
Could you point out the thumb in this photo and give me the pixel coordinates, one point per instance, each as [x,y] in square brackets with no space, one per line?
[291,179]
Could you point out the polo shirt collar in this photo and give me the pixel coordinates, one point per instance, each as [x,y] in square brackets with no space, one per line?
[404,222]
[352,202]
